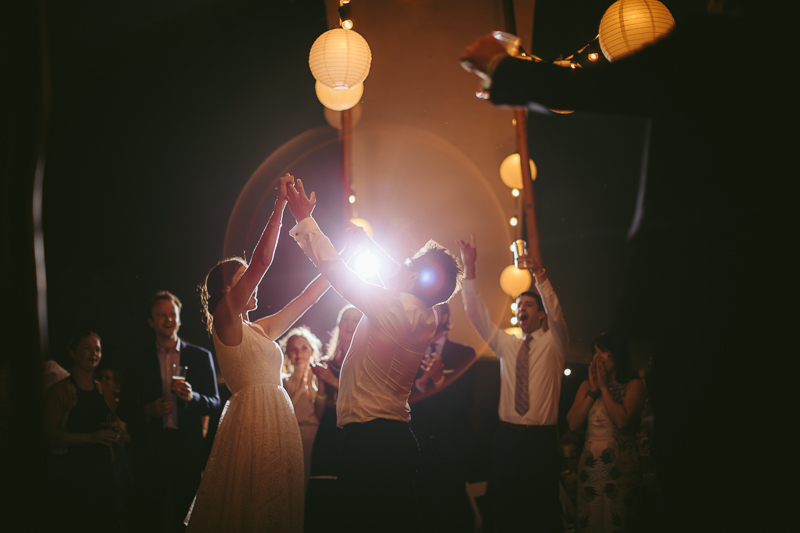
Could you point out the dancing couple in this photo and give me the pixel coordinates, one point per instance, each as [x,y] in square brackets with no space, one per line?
[254,477]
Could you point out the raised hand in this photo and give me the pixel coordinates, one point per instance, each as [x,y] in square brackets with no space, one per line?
[283,186]
[469,251]
[300,205]
[324,373]
[593,383]
[601,374]
[432,364]
[480,53]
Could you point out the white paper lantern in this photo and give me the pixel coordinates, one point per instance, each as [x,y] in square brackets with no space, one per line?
[516,331]
[514,281]
[629,25]
[334,118]
[511,172]
[340,59]
[339,100]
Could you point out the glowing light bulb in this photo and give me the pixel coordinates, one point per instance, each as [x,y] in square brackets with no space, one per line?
[347,24]
[515,193]
[593,56]
[511,247]
[514,306]
[351,198]
[567,371]
[514,320]
[573,65]
[513,221]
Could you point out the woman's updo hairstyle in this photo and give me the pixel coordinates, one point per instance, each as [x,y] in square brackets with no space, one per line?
[213,288]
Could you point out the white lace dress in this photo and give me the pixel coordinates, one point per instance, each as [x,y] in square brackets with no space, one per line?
[254,477]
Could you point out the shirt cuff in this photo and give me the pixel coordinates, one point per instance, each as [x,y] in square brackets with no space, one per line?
[303,228]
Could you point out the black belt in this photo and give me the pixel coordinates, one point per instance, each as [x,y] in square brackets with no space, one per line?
[525,428]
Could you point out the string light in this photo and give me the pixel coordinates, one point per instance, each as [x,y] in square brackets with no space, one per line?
[347,24]
[514,320]
[351,198]
[513,221]
[515,193]
[567,371]
[593,56]
[514,307]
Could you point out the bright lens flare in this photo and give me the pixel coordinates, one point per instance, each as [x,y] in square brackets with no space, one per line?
[366,265]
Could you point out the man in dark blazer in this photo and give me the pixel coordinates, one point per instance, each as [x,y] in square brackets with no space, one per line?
[442,399]
[165,417]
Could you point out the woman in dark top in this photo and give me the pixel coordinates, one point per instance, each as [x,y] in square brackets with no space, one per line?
[80,427]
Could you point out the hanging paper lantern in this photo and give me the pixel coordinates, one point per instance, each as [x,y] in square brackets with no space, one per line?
[340,59]
[339,100]
[511,172]
[361,223]
[514,281]
[629,25]
[516,331]
[334,118]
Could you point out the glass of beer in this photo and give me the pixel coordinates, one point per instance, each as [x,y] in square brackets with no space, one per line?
[179,373]
[521,259]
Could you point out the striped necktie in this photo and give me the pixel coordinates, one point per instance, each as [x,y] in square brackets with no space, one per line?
[521,387]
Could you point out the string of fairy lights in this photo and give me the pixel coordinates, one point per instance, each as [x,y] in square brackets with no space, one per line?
[340,61]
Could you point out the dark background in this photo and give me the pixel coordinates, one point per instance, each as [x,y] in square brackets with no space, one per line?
[161,111]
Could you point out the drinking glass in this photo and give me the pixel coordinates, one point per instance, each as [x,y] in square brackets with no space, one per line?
[511,43]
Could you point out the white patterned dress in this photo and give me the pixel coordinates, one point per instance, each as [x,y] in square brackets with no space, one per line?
[254,477]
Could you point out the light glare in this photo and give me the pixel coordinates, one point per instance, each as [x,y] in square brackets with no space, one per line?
[366,265]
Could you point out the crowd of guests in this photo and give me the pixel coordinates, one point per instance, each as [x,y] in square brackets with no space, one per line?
[130,449]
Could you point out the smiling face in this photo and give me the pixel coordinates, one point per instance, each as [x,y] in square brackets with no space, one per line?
[165,319]
[87,354]
[529,316]
[299,351]
[347,326]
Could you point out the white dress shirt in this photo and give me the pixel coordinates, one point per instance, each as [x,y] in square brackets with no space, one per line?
[548,351]
[388,344]
[166,358]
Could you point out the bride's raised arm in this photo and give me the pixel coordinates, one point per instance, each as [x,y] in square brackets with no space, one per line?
[228,313]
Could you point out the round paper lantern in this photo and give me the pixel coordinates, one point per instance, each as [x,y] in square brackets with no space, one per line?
[334,118]
[339,100]
[514,281]
[511,173]
[340,59]
[629,25]
[516,331]
[361,223]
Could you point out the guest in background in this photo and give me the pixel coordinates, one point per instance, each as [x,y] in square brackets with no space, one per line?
[610,404]
[440,422]
[165,417]
[525,461]
[53,373]
[80,427]
[302,349]
[326,445]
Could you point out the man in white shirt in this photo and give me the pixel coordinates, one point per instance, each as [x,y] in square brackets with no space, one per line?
[378,454]
[525,462]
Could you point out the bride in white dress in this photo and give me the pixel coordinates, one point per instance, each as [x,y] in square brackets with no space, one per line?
[254,477]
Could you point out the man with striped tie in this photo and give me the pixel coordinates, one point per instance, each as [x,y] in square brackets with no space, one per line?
[525,464]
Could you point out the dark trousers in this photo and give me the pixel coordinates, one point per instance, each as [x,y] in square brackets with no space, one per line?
[524,483]
[377,464]
[441,488]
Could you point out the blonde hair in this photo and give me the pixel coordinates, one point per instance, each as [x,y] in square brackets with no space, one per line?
[313,341]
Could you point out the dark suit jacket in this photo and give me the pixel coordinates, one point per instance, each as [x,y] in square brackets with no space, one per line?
[444,414]
[141,384]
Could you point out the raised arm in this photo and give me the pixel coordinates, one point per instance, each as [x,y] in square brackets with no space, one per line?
[319,249]
[227,316]
[279,323]
[476,311]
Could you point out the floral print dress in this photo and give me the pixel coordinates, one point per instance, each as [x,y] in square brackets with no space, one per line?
[609,475]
